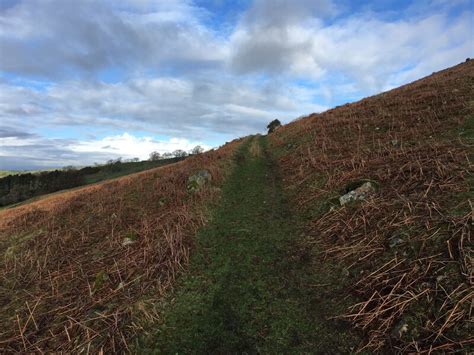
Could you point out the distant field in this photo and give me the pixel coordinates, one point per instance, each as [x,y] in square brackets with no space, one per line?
[18,186]
[4,173]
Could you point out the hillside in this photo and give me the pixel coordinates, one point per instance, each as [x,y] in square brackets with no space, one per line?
[281,252]
[20,186]
[79,269]
[406,251]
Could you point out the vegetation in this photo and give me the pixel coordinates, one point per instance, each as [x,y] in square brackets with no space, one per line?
[278,265]
[406,249]
[272,126]
[7,172]
[250,288]
[15,188]
[79,269]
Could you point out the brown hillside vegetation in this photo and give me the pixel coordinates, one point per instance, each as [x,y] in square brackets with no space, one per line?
[407,249]
[78,269]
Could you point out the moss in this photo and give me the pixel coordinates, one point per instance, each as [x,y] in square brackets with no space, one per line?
[100,279]
[132,235]
[15,244]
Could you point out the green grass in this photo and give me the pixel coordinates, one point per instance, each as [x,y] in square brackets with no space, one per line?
[252,285]
[4,173]
[122,169]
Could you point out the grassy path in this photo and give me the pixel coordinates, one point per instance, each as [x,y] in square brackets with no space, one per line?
[249,286]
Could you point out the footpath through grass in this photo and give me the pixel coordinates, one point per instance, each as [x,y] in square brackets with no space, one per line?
[251,286]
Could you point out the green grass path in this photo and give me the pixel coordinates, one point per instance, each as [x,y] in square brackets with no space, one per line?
[248,288]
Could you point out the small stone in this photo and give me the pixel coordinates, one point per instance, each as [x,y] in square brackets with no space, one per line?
[395,242]
[400,329]
[198,180]
[127,241]
[361,193]
[394,142]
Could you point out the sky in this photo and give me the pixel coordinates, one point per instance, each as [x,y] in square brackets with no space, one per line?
[83,81]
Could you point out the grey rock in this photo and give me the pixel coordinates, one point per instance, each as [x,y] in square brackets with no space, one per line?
[127,241]
[395,242]
[198,180]
[359,194]
[400,328]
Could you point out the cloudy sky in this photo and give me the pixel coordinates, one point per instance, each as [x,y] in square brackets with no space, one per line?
[83,81]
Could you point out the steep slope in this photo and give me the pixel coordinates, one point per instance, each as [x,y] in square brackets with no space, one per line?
[80,271]
[406,248]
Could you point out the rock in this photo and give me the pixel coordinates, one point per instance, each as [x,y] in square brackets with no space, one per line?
[359,194]
[198,180]
[394,142]
[127,241]
[399,329]
[394,242]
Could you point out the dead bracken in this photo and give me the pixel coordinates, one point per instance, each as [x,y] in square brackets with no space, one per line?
[86,263]
[416,141]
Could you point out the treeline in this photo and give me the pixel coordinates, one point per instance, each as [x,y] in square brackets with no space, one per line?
[179,153]
[16,188]
[20,187]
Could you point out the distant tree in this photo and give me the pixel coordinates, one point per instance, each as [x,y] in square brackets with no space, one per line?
[197,150]
[272,126]
[167,155]
[135,160]
[179,153]
[154,156]
[114,161]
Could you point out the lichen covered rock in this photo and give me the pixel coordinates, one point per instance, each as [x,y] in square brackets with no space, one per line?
[198,180]
[360,193]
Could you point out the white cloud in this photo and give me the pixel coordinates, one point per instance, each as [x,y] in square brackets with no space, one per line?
[129,146]
[178,76]
[194,108]
[21,150]
[367,49]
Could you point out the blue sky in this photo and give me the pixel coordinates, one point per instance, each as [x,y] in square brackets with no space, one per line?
[86,81]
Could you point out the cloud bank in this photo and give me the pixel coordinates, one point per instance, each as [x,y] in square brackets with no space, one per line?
[75,74]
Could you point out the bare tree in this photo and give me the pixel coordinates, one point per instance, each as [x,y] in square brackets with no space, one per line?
[179,153]
[197,150]
[154,156]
